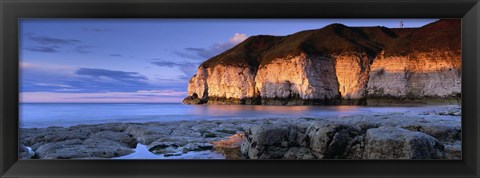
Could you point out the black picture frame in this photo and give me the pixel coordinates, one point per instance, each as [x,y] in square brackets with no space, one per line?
[12,10]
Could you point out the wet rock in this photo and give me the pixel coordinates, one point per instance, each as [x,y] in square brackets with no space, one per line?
[355,148]
[24,152]
[383,136]
[269,141]
[172,154]
[181,141]
[453,151]
[398,143]
[146,134]
[116,136]
[115,127]
[443,132]
[148,139]
[298,153]
[413,136]
[204,126]
[363,126]
[197,147]
[186,132]
[330,140]
[209,135]
[54,135]
[76,148]
[451,112]
[163,147]
[230,147]
[193,100]
[107,148]
[22,148]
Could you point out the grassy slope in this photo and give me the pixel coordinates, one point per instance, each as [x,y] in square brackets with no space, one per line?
[337,38]
[443,34]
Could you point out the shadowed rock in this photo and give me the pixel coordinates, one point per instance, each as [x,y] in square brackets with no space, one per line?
[406,135]
[397,143]
[96,147]
[388,136]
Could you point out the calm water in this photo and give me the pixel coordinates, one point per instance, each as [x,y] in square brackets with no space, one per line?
[45,115]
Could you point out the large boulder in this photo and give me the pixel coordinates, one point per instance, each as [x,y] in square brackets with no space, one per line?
[343,140]
[270,141]
[445,132]
[331,140]
[398,143]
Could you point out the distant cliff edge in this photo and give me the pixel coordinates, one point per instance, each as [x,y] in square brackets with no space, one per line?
[336,64]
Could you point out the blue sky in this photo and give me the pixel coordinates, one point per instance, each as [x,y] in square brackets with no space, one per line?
[138,60]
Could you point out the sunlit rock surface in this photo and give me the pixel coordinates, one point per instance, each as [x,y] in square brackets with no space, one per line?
[422,74]
[299,77]
[230,82]
[334,65]
[352,72]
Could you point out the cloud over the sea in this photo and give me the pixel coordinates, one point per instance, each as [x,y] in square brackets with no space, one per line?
[188,68]
[213,50]
[84,49]
[67,79]
[135,96]
[111,74]
[98,30]
[47,40]
[48,44]
[45,49]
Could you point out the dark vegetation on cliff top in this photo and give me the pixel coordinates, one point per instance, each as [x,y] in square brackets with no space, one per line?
[337,38]
[443,34]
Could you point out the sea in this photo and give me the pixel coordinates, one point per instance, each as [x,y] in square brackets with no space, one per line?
[40,115]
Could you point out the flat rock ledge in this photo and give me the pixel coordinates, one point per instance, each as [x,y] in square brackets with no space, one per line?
[409,135]
[390,136]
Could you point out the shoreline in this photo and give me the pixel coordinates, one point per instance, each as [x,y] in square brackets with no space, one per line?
[364,101]
[181,139]
[260,112]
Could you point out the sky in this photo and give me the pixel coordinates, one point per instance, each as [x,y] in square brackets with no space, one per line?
[138,60]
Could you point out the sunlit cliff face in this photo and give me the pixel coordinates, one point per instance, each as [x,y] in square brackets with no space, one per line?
[351,76]
[432,74]
[354,73]
[305,77]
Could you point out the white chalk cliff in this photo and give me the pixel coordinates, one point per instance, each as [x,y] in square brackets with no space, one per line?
[334,64]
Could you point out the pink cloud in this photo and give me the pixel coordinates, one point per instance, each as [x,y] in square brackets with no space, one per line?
[238,38]
[143,96]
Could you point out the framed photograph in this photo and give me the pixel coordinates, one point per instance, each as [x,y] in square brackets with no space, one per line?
[239,89]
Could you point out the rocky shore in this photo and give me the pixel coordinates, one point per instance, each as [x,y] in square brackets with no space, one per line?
[433,134]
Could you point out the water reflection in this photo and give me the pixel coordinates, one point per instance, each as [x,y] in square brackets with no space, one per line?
[262,111]
[44,115]
[217,110]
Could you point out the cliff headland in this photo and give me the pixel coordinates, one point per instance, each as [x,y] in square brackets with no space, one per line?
[336,64]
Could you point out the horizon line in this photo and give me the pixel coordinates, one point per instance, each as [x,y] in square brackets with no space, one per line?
[100,103]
